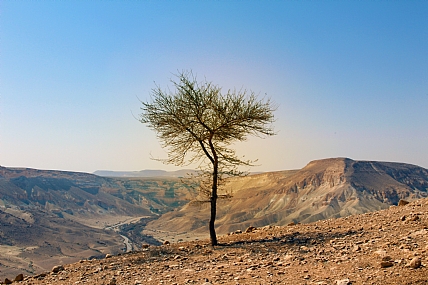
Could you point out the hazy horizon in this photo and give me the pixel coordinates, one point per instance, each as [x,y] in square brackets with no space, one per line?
[350,78]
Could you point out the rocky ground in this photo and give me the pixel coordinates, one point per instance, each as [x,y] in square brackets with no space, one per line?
[385,247]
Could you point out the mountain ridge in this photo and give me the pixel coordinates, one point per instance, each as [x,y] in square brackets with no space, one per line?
[328,188]
[145,173]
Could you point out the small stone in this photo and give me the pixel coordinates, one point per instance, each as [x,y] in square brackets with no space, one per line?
[343,282]
[7,281]
[380,252]
[112,281]
[415,263]
[145,245]
[386,264]
[403,203]
[414,218]
[108,256]
[166,243]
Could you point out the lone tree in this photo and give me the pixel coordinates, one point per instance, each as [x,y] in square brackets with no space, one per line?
[198,124]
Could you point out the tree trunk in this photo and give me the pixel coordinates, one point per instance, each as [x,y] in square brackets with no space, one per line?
[213,199]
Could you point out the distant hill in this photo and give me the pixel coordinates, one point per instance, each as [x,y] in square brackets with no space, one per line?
[144,173]
[323,189]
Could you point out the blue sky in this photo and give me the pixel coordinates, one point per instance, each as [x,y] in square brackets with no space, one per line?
[350,77]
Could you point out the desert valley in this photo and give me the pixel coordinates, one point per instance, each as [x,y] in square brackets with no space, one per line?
[335,221]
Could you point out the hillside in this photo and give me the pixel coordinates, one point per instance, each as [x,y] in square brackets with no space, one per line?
[382,247]
[323,189]
[56,217]
[49,216]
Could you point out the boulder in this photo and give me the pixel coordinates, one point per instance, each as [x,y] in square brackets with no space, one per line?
[19,277]
[57,268]
[250,229]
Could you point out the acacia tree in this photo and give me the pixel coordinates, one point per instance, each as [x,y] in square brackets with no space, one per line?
[198,124]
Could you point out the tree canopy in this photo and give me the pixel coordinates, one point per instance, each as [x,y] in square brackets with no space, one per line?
[196,123]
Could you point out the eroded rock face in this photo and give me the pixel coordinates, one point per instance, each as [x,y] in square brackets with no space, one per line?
[341,251]
[59,216]
[323,189]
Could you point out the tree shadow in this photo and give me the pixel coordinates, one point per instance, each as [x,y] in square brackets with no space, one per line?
[293,239]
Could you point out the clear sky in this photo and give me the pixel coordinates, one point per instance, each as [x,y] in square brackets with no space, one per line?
[350,77]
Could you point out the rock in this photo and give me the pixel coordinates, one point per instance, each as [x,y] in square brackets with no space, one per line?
[414,218]
[57,268]
[415,263]
[250,229]
[343,282]
[41,275]
[386,264]
[112,281]
[291,224]
[108,256]
[19,277]
[403,202]
[7,281]
[145,245]
[166,243]
[380,252]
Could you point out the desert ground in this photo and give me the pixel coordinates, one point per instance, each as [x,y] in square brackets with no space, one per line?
[384,247]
